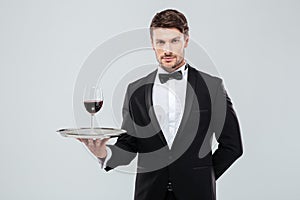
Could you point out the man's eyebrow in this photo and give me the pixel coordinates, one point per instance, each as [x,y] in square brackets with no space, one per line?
[177,37]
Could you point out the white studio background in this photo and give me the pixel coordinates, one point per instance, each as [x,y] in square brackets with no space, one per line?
[43,44]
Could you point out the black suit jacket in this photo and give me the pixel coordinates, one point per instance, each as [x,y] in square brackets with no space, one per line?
[189,164]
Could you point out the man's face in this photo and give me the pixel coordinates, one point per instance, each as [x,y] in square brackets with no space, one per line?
[169,45]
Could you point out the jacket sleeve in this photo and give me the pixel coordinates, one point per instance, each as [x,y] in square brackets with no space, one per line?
[125,149]
[227,132]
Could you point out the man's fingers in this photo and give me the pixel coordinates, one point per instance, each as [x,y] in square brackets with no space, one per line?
[90,142]
[104,140]
[94,144]
[97,142]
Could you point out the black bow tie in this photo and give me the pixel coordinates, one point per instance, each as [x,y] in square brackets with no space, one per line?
[165,77]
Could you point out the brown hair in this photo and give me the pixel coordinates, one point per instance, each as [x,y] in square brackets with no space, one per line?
[170,18]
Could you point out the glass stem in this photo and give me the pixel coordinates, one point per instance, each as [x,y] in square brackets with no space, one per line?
[92,121]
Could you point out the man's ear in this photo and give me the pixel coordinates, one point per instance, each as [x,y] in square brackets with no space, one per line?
[186,40]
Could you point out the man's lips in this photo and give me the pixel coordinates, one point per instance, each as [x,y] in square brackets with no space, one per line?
[168,59]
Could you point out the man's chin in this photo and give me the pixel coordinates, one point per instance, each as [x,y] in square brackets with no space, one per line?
[168,68]
[169,65]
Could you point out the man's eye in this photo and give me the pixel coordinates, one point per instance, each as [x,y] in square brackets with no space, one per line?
[175,41]
[160,42]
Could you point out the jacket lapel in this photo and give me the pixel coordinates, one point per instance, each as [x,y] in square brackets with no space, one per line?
[149,104]
[189,101]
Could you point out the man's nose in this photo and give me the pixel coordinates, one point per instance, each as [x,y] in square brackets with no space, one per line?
[167,48]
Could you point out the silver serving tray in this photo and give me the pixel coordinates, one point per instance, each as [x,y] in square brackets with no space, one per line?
[88,133]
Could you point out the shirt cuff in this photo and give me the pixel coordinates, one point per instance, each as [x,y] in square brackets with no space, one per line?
[104,160]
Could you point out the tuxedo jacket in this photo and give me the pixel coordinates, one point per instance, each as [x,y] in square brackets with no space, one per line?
[189,165]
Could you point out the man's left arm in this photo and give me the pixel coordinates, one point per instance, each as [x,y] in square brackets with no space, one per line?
[227,131]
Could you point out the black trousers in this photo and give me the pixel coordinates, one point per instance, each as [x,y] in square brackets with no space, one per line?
[170,195]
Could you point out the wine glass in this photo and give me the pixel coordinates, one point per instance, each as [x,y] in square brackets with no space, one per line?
[93,101]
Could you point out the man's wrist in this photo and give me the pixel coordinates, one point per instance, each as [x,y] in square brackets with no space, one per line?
[103,160]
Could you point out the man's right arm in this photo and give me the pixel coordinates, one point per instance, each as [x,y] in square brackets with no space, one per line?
[124,150]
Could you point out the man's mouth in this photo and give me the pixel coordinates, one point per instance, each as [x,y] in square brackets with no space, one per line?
[168,58]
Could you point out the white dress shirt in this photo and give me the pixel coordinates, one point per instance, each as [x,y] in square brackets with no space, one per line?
[168,103]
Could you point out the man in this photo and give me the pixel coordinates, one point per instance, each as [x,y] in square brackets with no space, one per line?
[170,116]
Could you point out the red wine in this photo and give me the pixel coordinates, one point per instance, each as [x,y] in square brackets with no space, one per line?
[93,106]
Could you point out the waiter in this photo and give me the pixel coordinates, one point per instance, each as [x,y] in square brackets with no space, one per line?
[170,116]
